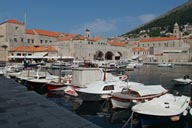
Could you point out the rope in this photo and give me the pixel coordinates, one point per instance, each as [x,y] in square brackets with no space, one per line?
[126,123]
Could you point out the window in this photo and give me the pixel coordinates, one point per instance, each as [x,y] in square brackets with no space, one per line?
[41,41]
[15,39]
[32,41]
[108,87]
[28,40]
[22,40]
[18,54]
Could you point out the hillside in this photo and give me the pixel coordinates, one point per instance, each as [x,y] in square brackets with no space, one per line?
[181,15]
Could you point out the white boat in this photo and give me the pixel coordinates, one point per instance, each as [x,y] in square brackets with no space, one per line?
[136,93]
[2,70]
[62,65]
[94,83]
[183,81]
[165,108]
[100,90]
[69,90]
[164,64]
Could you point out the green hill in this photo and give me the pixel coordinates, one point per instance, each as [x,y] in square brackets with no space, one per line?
[181,15]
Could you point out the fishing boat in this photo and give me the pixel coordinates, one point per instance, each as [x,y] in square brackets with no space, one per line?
[136,93]
[100,90]
[64,81]
[94,84]
[183,81]
[166,108]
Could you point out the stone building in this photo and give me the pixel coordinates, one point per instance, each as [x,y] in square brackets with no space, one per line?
[14,34]
[97,48]
[166,49]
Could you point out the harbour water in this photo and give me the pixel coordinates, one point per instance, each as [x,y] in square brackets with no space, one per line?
[100,114]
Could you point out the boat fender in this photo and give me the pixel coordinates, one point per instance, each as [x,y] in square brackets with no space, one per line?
[190,111]
[185,113]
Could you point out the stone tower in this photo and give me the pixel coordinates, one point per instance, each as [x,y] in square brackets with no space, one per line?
[176,31]
[88,33]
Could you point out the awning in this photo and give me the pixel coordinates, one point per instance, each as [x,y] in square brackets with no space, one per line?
[40,54]
[172,51]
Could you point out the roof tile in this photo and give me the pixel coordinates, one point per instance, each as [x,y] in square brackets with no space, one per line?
[158,39]
[14,21]
[34,49]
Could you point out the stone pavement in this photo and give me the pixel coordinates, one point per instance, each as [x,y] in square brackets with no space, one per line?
[20,108]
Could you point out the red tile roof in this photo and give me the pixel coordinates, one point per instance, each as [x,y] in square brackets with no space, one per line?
[47,33]
[27,31]
[67,37]
[116,43]
[158,39]
[95,39]
[34,49]
[14,21]
[139,49]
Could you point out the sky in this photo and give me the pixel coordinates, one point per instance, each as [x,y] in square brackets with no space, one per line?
[105,18]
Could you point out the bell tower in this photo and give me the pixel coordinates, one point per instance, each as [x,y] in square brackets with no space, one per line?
[87,32]
[176,31]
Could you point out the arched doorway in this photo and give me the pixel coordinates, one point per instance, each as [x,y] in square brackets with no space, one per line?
[118,55]
[109,55]
[98,55]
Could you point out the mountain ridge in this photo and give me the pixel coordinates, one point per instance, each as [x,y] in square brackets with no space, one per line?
[180,14]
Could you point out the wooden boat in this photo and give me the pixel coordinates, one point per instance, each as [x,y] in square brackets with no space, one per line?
[136,93]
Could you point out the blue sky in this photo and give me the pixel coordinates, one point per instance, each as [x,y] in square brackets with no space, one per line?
[105,18]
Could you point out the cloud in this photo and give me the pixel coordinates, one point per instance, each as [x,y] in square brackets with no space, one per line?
[97,27]
[114,26]
[146,17]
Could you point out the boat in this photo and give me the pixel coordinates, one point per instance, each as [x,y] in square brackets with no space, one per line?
[93,84]
[166,108]
[64,81]
[136,93]
[183,81]
[2,70]
[100,90]
[69,90]
[164,64]
[61,65]
[38,81]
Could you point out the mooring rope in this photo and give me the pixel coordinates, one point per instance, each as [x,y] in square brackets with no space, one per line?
[126,123]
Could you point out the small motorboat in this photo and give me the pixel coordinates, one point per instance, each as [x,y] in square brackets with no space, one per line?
[136,93]
[166,108]
[100,90]
[165,64]
[183,81]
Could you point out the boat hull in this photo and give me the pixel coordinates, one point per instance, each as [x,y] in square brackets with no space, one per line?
[90,97]
[117,103]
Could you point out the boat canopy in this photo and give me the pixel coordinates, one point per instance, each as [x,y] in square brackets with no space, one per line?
[144,90]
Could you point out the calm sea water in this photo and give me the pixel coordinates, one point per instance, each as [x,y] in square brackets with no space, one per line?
[100,114]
